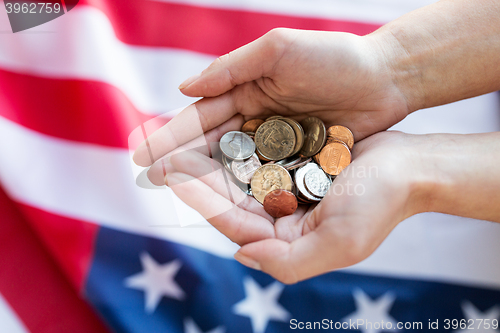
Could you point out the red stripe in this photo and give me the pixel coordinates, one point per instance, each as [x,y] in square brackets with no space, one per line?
[84,111]
[206,30]
[69,241]
[32,283]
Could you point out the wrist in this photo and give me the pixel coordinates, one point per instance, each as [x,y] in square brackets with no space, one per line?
[403,71]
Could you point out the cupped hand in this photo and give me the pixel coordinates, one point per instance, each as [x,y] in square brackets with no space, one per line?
[365,202]
[341,78]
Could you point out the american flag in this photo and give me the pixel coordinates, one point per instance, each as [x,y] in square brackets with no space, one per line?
[85,246]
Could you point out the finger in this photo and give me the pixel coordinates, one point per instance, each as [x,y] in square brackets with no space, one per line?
[203,144]
[215,175]
[288,262]
[237,224]
[250,62]
[189,124]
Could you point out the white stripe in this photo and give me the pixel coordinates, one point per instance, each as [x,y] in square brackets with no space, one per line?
[9,321]
[96,184]
[373,11]
[83,45]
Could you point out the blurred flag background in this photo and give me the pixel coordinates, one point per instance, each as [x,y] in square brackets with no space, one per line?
[83,248]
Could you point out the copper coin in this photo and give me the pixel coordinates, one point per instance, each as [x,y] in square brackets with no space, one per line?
[279,203]
[341,133]
[315,136]
[251,125]
[270,177]
[334,158]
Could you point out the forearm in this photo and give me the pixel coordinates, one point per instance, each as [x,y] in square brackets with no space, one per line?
[444,52]
[457,174]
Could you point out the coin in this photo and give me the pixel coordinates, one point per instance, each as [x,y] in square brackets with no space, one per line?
[268,178]
[252,125]
[303,161]
[299,134]
[227,163]
[237,145]
[341,133]
[288,161]
[275,140]
[335,157]
[315,136]
[317,182]
[299,182]
[273,118]
[259,155]
[244,170]
[279,203]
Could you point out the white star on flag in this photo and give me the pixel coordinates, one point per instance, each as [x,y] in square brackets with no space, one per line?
[261,304]
[191,327]
[373,312]
[156,281]
[479,319]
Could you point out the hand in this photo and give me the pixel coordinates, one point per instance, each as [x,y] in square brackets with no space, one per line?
[341,78]
[364,204]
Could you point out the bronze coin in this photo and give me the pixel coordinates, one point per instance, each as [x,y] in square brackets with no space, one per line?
[275,140]
[341,133]
[251,125]
[299,133]
[315,136]
[279,203]
[334,158]
[270,177]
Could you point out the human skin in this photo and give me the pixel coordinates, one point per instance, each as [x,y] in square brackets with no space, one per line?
[438,54]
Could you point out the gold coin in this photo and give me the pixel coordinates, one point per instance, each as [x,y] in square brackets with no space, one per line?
[259,155]
[273,118]
[341,133]
[275,140]
[315,136]
[251,125]
[334,158]
[299,133]
[268,178]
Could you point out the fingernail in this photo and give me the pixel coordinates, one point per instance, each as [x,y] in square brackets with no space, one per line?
[247,261]
[189,81]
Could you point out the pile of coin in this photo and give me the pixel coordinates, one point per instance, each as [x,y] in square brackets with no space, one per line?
[272,160]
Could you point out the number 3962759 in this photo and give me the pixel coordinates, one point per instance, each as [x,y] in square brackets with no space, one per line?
[33,7]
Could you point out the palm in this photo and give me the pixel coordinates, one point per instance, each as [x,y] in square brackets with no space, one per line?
[363,205]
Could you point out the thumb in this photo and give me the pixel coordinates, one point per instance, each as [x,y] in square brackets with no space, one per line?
[245,64]
[305,257]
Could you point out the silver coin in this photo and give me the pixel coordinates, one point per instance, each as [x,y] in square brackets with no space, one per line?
[303,161]
[299,181]
[237,145]
[289,161]
[244,170]
[317,182]
[227,163]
